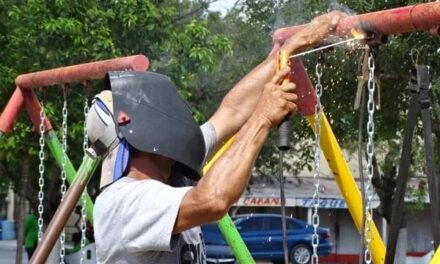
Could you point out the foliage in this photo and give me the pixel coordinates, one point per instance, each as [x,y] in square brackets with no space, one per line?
[252,19]
[44,34]
[205,53]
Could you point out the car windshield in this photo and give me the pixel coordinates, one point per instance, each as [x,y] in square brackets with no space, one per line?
[257,222]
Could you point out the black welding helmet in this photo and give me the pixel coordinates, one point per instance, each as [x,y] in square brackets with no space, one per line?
[152,117]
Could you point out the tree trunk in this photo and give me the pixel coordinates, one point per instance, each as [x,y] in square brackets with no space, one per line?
[20,209]
[402,246]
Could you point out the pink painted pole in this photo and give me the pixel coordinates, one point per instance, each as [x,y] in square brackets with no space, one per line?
[10,113]
[33,107]
[392,21]
[304,88]
[388,22]
[69,74]
[81,72]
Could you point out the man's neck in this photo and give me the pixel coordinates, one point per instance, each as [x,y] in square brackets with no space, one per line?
[149,166]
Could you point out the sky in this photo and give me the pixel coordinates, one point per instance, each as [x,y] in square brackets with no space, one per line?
[222,5]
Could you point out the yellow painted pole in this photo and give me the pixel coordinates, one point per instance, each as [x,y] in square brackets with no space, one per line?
[436,258]
[218,154]
[347,185]
[226,225]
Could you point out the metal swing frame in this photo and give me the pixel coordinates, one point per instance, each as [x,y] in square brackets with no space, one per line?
[418,17]
[24,97]
[405,19]
[420,104]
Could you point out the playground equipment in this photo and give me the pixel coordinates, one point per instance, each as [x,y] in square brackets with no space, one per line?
[25,97]
[420,103]
[376,25]
[283,145]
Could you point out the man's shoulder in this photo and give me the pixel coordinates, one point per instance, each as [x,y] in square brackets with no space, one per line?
[127,186]
[129,182]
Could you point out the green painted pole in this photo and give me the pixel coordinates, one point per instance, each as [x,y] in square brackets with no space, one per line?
[57,151]
[226,225]
[234,240]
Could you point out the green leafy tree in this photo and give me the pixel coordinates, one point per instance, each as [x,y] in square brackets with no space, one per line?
[44,34]
[249,26]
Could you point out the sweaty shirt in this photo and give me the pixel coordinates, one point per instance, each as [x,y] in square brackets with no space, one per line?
[134,220]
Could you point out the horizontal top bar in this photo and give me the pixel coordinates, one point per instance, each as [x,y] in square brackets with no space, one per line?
[424,16]
[81,72]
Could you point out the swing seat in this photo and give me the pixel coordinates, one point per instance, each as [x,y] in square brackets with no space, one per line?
[89,256]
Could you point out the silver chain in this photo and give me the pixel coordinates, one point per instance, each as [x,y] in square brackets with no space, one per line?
[41,171]
[63,171]
[370,150]
[83,195]
[317,159]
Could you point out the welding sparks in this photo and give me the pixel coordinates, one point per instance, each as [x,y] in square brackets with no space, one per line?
[327,46]
[357,35]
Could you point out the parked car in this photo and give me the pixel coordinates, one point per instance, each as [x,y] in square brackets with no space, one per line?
[262,234]
[219,254]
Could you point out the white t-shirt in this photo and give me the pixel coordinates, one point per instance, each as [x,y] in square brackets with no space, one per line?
[134,220]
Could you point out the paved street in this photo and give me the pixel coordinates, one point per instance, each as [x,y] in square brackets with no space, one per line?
[7,252]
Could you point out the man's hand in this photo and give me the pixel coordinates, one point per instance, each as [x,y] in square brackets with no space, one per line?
[314,32]
[277,100]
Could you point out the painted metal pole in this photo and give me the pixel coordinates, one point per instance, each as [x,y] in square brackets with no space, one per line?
[69,74]
[226,225]
[347,185]
[63,212]
[10,113]
[33,108]
[81,72]
[417,17]
[55,147]
[436,258]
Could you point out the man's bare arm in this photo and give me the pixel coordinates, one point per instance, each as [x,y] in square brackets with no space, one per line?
[226,180]
[239,103]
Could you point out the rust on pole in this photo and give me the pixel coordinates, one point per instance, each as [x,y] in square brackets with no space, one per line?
[81,72]
[10,113]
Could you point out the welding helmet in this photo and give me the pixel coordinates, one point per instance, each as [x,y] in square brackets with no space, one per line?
[144,111]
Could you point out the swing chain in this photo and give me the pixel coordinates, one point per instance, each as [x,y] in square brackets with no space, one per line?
[370,151]
[83,195]
[83,225]
[317,158]
[86,113]
[64,146]
[63,169]
[41,172]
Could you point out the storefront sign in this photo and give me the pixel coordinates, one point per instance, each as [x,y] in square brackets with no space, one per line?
[261,201]
[323,203]
[290,202]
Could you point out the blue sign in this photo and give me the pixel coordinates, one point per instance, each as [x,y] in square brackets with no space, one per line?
[323,203]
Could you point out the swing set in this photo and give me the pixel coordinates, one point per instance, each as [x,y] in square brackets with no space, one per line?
[375,25]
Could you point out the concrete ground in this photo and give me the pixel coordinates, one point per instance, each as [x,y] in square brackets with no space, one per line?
[7,252]
[8,247]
